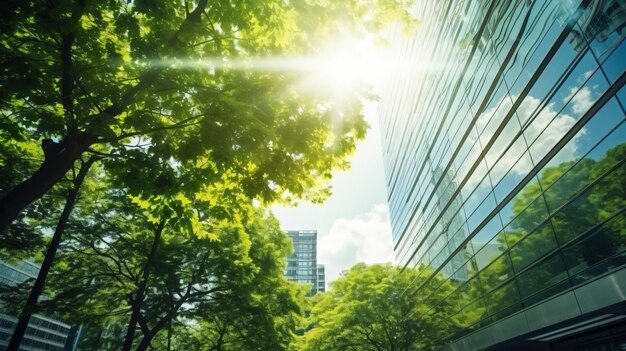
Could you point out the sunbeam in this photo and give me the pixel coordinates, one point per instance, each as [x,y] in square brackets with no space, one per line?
[335,71]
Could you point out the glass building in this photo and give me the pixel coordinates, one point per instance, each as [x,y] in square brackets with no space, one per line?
[43,332]
[321,278]
[504,143]
[302,263]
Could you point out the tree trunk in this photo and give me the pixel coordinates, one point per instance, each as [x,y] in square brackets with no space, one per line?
[59,159]
[169,335]
[37,289]
[137,300]
[132,324]
[145,341]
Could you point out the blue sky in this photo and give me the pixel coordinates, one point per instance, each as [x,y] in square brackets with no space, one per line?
[353,224]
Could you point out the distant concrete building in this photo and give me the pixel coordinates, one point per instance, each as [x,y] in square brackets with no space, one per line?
[44,332]
[302,264]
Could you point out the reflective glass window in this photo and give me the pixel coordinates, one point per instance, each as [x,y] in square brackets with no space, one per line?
[533,246]
[497,272]
[507,179]
[604,198]
[504,297]
[529,211]
[599,244]
[548,272]
[487,232]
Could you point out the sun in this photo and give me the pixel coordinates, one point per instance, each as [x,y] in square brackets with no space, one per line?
[339,70]
[344,66]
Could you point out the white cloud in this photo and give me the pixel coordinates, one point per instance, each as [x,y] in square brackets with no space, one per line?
[365,238]
[542,134]
[586,75]
[582,100]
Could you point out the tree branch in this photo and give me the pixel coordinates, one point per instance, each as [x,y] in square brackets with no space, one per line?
[195,15]
[104,154]
[366,333]
[107,115]
[143,324]
[67,78]
[181,124]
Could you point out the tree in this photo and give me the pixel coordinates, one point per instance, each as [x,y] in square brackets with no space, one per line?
[132,96]
[373,308]
[260,315]
[38,286]
[102,77]
[238,273]
[153,234]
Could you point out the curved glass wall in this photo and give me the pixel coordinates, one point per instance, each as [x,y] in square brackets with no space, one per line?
[506,159]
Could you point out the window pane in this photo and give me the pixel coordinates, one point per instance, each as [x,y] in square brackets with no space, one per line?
[549,272]
[598,245]
[532,247]
[502,298]
[497,272]
[529,211]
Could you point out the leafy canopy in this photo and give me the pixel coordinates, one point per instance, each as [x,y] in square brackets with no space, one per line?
[372,308]
[149,83]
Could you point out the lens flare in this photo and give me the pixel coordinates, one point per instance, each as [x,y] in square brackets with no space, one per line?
[334,71]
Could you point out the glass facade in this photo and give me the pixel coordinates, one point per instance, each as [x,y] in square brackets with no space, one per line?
[505,152]
[321,277]
[302,263]
[43,332]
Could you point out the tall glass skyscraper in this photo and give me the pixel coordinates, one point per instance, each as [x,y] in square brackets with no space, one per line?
[302,264]
[504,145]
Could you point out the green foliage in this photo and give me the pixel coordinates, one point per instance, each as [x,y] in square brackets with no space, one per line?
[115,72]
[373,308]
[261,314]
[165,221]
[147,84]
[235,282]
